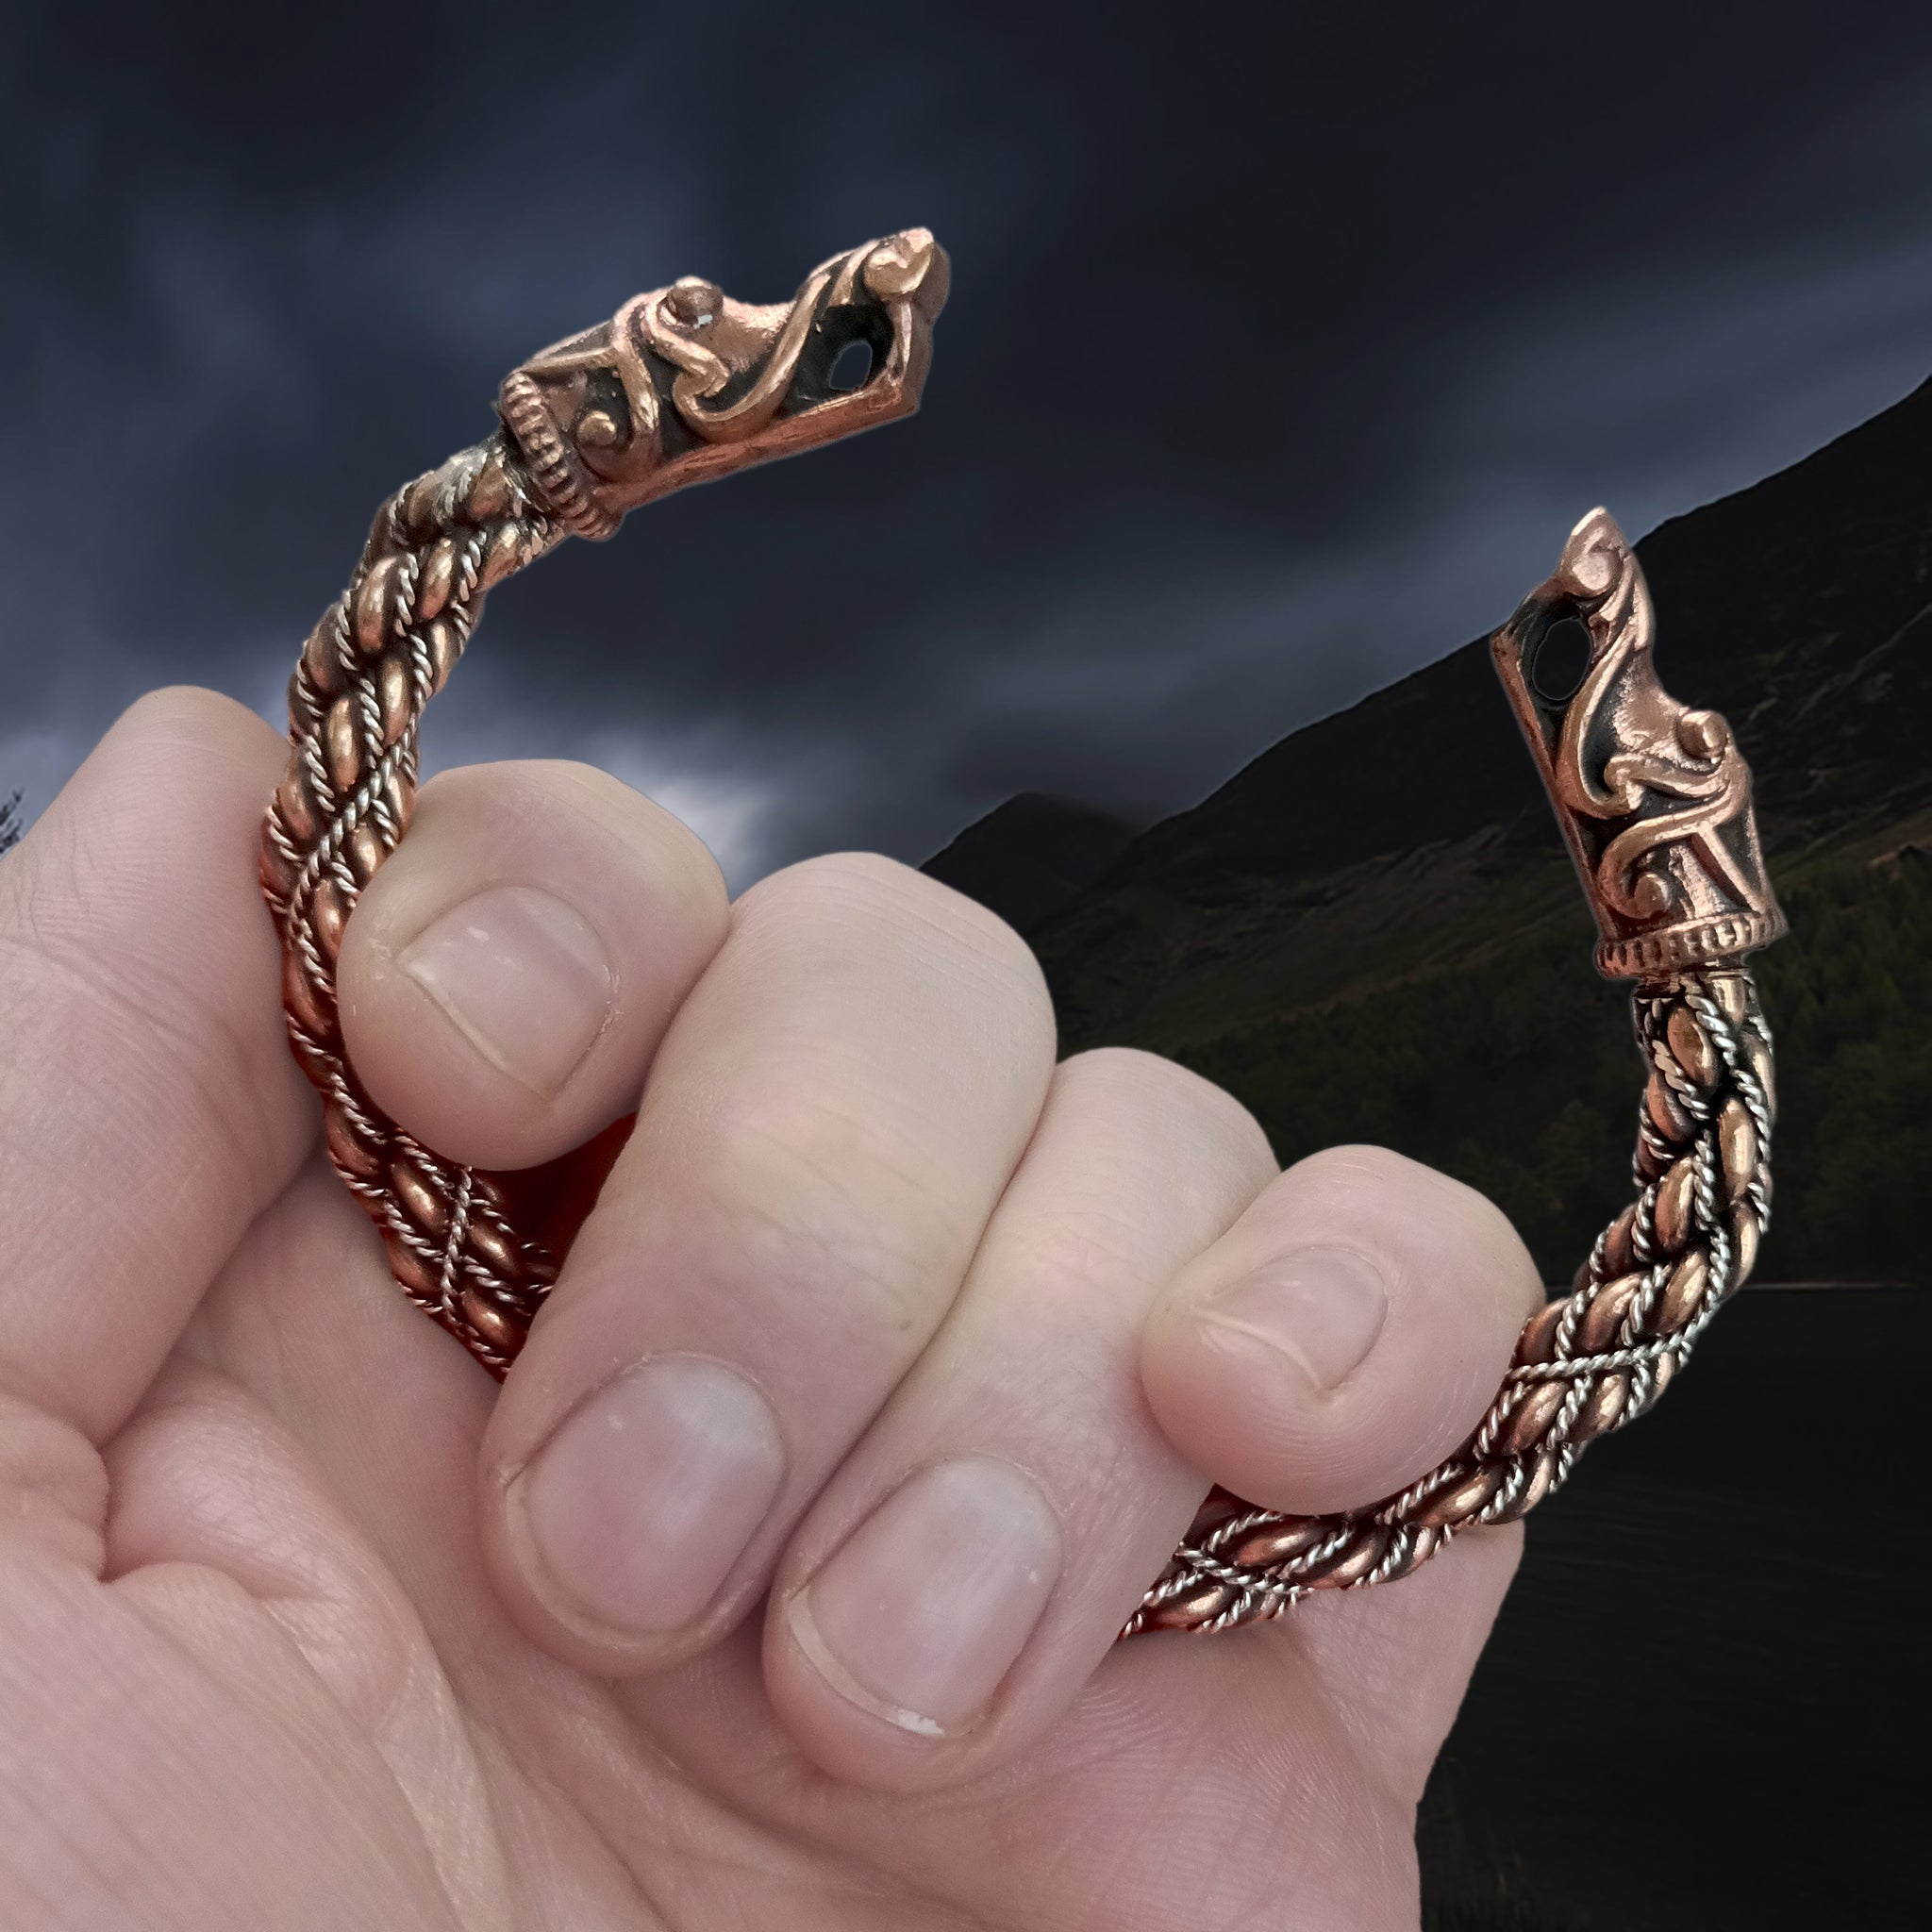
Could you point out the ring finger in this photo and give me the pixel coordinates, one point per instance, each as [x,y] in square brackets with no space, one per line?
[977,1553]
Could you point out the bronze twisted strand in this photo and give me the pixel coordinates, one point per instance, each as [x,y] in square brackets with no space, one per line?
[1592,1361]
[685,384]
[384,649]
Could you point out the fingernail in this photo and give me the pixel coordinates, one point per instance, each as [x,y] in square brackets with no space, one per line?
[919,1615]
[1321,1307]
[522,975]
[634,1512]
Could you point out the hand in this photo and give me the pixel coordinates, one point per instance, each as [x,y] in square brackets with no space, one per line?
[778,1589]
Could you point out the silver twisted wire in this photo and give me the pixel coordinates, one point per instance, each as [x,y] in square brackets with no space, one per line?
[1589,1363]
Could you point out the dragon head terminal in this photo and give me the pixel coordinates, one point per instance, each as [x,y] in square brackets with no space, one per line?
[686,383]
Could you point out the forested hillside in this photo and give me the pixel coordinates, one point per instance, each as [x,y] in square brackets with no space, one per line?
[1372,931]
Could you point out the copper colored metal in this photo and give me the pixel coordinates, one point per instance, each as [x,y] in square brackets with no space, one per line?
[1652,797]
[1654,802]
[684,384]
[600,435]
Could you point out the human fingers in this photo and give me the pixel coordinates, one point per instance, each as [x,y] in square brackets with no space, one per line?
[149,1107]
[1394,1662]
[973,1559]
[236,1543]
[1344,1336]
[826,1127]
[507,975]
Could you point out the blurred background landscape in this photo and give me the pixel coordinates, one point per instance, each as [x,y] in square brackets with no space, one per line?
[1286,346]
[1690,1714]
[1373,931]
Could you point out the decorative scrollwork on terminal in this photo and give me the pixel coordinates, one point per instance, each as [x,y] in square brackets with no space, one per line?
[1655,801]
[1654,797]
[684,384]
[590,429]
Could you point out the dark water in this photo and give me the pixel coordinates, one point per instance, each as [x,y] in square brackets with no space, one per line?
[1706,1703]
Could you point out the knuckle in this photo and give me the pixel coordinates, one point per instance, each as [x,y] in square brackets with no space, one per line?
[191,720]
[536,808]
[1090,1247]
[1354,1170]
[1189,1105]
[1436,1226]
[1374,1189]
[821,1201]
[838,882]
[861,892]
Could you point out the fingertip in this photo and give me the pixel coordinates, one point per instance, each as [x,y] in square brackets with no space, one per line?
[616,1541]
[905,1657]
[507,974]
[210,722]
[1343,1337]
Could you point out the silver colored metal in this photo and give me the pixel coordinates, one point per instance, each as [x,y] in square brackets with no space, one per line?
[1654,798]
[684,384]
[1655,803]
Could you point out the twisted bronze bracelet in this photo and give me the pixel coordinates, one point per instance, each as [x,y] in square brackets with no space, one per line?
[684,384]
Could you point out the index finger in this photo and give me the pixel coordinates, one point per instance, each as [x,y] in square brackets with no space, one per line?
[149,1105]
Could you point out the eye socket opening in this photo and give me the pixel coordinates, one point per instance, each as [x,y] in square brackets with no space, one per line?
[851,367]
[849,346]
[1558,659]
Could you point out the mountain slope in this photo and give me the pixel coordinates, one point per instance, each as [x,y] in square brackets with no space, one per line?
[1031,856]
[1410,829]
[1373,932]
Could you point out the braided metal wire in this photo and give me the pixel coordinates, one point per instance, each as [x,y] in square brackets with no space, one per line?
[381,651]
[1589,1363]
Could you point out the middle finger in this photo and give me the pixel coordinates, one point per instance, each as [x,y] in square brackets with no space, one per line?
[825,1130]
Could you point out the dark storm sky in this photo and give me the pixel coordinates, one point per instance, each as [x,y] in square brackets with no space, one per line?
[1282,353]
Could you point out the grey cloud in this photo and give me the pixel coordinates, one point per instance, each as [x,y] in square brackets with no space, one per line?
[1266,378]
